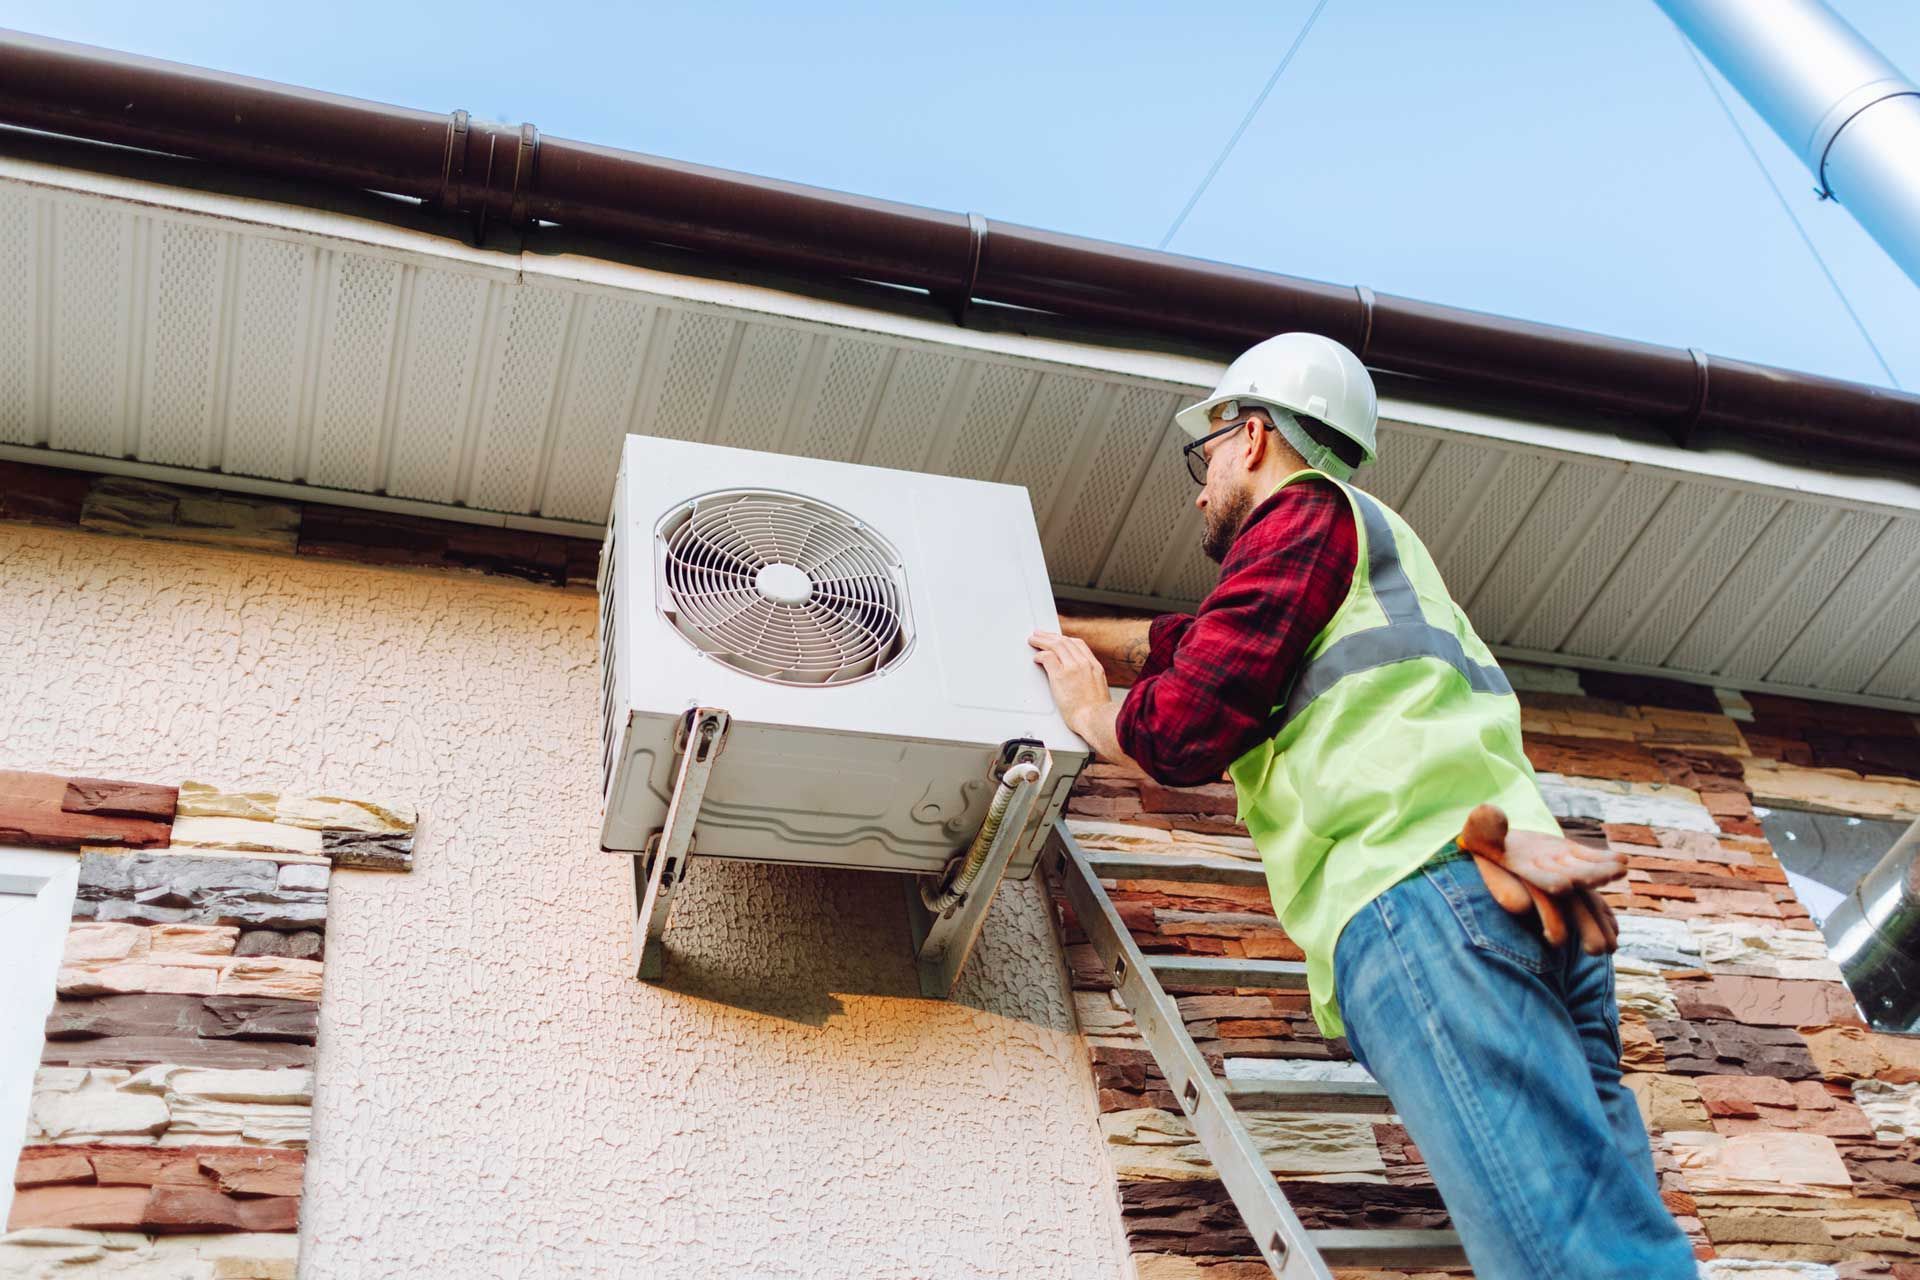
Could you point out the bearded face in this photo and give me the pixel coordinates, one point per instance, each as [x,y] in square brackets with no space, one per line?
[1229,500]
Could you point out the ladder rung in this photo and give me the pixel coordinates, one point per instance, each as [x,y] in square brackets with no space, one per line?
[1146,866]
[1409,1248]
[1228,971]
[1351,1096]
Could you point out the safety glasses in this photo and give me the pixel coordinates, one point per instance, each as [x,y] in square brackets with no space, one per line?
[1195,450]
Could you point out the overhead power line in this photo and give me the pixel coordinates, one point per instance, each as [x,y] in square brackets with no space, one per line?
[1245,120]
[1805,239]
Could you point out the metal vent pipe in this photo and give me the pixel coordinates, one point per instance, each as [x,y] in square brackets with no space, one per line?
[1846,111]
[1874,935]
[513,174]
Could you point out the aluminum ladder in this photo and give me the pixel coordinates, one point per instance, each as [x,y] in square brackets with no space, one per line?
[1213,1105]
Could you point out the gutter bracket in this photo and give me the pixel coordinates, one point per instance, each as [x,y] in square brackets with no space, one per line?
[526,157]
[519,196]
[962,301]
[1682,428]
[453,166]
[1365,295]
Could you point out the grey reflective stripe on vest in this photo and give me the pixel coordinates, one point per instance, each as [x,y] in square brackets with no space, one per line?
[1387,575]
[1407,633]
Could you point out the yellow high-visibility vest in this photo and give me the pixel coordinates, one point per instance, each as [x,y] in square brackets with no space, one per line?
[1397,724]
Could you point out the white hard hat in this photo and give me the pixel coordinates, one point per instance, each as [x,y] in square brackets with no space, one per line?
[1304,373]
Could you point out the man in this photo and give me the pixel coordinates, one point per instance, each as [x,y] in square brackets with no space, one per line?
[1361,721]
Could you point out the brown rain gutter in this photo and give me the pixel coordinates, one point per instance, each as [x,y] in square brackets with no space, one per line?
[490,172]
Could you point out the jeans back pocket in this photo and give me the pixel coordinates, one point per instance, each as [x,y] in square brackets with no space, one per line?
[1487,924]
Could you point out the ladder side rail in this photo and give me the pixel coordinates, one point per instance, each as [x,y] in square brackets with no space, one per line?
[1284,1243]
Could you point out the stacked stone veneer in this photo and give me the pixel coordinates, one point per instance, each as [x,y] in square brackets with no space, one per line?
[168,1127]
[1786,1134]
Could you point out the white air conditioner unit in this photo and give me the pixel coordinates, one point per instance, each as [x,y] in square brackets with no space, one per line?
[823,663]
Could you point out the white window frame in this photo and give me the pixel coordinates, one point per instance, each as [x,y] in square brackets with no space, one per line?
[32,938]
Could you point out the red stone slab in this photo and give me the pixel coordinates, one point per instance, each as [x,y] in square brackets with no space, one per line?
[1769,746]
[1178,896]
[1730,1095]
[192,1209]
[1271,947]
[255,1171]
[87,1208]
[1686,841]
[31,813]
[1215,798]
[234,1170]
[43,1166]
[1251,1028]
[1727,804]
[158,1209]
[1781,1002]
[1592,758]
[1702,770]
[147,1167]
[1746,1104]
[107,799]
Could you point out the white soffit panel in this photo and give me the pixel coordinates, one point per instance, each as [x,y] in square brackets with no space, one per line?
[268,337]
[21,321]
[435,386]
[267,348]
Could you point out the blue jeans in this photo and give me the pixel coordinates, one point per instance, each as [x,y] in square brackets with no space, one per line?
[1502,1057]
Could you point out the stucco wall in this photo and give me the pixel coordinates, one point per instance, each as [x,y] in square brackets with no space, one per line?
[496,1097]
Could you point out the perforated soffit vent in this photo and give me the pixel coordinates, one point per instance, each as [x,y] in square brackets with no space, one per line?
[782,587]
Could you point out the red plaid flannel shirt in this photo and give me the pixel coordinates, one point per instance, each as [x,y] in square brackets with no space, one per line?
[1212,679]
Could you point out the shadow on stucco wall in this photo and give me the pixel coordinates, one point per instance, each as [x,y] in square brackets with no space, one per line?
[847,935]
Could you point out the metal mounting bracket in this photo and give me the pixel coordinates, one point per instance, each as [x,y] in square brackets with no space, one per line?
[943,942]
[657,872]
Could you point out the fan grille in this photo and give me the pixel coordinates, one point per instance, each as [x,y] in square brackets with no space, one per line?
[784,587]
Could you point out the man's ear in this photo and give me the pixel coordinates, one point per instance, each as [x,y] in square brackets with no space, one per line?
[1256,429]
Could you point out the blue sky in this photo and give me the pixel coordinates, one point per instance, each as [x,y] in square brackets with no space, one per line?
[1563,162]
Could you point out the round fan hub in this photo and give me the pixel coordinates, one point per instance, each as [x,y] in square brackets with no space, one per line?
[783,583]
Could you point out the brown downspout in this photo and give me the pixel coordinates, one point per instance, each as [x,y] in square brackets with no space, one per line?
[515,175]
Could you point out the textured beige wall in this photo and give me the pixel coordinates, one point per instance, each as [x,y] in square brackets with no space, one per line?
[496,1097]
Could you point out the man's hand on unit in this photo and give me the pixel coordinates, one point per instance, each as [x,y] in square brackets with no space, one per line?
[1078,680]
[1549,874]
